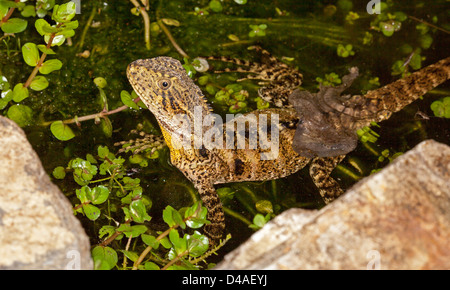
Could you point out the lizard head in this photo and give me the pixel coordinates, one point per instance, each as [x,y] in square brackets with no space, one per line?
[165,88]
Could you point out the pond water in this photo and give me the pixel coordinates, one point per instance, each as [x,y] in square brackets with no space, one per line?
[305,34]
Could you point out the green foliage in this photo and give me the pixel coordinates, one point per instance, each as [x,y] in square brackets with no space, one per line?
[128,100]
[235,97]
[20,93]
[21,114]
[331,80]
[49,66]
[115,195]
[366,134]
[345,51]
[53,35]
[257,30]
[14,25]
[105,258]
[388,22]
[345,5]
[39,83]
[259,221]
[30,54]
[61,131]
[215,6]
[441,108]
[59,172]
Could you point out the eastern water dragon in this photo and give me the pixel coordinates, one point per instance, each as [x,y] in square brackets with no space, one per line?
[303,119]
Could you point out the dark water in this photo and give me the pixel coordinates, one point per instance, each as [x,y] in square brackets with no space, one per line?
[309,32]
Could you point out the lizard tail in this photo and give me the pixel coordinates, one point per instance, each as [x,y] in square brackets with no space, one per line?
[380,104]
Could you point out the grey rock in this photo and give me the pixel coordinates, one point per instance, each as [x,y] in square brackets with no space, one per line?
[398,218]
[37,227]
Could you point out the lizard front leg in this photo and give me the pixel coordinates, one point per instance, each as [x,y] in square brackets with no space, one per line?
[320,170]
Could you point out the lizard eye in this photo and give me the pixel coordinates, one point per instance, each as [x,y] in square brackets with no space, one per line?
[165,84]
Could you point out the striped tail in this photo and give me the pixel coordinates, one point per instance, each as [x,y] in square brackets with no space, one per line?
[380,104]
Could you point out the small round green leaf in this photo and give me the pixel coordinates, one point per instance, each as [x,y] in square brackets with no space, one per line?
[64,13]
[20,114]
[30,54]
[150,240]
[59,172]
[100,82]
[151,266]
[99,194]
[215,6]
[105,258]
[42,26]
[127,100]
[71,25]
[102,151]
[28,11]
[39,83]
[4,85]
[50,65]
[14,25]
[46,50]
[57,40]
[6,97]
[167,215]
[91,211]
[20,93]
[138,211]
[61,131]
[106,126]
[133,256]
[259,220]
[197,244]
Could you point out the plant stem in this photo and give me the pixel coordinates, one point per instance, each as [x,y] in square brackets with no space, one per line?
[429,24]
[160,237]
[146,22]
[10,12]
[212,251]
[172,40]
[124,264]
[86,28]
[92,116]
[41,60]
[112,237]
[176,259]
[236,215]
[149,248]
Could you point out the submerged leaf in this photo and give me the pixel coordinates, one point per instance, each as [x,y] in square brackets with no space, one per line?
[14,25]
[39,83]
[30,54]
[105,258]
[91,211]
[50,65]
[61,131]
[20,93]
[20,114]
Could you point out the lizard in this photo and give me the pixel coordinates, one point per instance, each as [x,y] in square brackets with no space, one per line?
[165,88]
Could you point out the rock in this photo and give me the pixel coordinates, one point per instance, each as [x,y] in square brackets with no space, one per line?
[398,218]
[37,227]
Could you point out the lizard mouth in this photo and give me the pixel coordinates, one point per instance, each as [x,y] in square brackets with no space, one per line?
[136,76]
